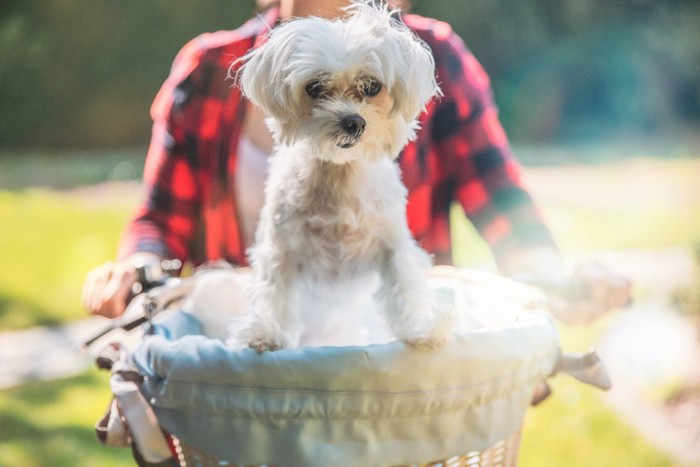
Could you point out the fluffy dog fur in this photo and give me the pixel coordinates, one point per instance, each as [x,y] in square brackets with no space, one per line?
[342,98]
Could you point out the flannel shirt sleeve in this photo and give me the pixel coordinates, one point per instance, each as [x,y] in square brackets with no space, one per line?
[167,218]
[486,177]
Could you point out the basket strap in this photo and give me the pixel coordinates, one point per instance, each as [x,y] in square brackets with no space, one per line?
[130,420]
[587,368]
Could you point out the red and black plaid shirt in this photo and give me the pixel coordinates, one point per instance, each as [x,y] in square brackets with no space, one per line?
[461,154]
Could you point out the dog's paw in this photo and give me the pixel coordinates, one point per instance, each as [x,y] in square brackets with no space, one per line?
[262,346]
[433,331]
[427,343]
[261,335]
[267,343]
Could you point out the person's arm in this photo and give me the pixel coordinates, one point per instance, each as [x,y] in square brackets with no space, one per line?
[485,177]
[165,221]
[489,187]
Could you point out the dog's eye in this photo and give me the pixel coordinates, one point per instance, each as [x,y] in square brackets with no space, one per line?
[372,88]
[314,89]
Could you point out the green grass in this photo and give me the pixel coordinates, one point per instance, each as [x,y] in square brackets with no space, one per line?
[51,424]
[574,428]
[633,204]
[50,239]
[641,203]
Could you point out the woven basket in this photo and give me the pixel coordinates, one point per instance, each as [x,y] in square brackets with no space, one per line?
[373,405]
[376,405]
[502,454]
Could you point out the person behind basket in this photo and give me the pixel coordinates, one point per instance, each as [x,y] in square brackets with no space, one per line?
[206,167]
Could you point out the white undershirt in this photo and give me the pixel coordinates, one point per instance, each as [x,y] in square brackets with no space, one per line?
[249,186]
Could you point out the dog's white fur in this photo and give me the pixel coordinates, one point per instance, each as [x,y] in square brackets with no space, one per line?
[334,211]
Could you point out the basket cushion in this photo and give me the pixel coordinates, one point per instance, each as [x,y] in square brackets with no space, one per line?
[383,404]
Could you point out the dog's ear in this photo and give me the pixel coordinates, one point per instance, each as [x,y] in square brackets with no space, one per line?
[263,72]
[414,81]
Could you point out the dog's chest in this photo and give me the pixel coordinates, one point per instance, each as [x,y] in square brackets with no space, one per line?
[335,240]
[337,220]
[338,236]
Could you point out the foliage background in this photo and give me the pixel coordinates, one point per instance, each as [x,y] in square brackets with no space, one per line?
[83,73]
[77,79]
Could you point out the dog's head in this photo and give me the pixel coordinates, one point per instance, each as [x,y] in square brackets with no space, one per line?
[350,88]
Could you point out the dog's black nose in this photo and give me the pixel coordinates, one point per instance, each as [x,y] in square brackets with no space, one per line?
[353,124]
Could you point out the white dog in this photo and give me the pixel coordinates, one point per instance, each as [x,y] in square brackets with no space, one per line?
[342,98]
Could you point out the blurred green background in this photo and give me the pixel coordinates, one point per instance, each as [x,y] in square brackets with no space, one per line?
[83,73]
[600,98]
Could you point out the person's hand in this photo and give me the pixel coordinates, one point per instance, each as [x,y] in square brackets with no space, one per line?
[592,291]
[106,288]
[579,298]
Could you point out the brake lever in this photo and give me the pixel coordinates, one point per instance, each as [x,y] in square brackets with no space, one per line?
[150,274]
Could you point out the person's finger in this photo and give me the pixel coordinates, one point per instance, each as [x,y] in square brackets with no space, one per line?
[96,283]
[620,293]
[87,289]
[604,288]
[116,291]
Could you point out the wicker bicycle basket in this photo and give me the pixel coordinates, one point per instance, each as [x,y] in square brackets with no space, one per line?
[378,405]
[502,454]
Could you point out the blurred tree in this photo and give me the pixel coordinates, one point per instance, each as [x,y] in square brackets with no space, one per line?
[581,69]
[83,73]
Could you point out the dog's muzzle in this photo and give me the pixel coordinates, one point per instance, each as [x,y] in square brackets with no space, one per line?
[353,126]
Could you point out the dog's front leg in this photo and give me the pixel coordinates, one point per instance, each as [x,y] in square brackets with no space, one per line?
[408,301]
[272,324]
